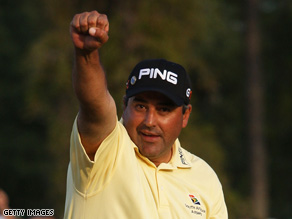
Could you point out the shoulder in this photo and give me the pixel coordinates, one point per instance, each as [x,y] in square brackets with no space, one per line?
[199,166]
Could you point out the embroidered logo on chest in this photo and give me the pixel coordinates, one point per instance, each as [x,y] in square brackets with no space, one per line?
[196,208]
[194,200]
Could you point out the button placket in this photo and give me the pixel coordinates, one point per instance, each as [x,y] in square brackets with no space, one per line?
[161,190]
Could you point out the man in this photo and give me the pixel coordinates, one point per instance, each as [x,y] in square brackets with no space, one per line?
[133,168]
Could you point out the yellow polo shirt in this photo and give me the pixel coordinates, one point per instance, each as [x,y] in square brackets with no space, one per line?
[122,184]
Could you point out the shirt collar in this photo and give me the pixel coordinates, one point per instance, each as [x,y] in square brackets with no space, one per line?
[178,160]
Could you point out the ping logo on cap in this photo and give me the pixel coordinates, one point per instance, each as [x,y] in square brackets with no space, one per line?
[154,72]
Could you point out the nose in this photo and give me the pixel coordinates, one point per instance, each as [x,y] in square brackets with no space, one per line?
[150,118]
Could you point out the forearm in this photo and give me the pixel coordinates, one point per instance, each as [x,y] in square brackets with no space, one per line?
[89,82]
[97,111]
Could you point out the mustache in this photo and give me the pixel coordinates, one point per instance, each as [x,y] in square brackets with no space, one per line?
[149,130]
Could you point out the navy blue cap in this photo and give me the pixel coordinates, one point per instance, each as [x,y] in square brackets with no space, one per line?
[162,76]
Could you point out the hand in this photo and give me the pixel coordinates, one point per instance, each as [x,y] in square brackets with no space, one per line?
[89,30]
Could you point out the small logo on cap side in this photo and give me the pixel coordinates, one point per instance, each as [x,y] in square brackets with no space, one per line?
[133,80]
[189,93]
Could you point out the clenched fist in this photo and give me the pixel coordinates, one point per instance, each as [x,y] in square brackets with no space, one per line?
[89,30]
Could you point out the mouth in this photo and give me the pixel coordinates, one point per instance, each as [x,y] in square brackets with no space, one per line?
[149,136]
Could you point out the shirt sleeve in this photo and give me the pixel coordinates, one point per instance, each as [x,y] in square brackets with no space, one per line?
[91,176]
[219,210]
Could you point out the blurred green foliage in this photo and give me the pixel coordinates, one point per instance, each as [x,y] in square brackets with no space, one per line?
[38,105]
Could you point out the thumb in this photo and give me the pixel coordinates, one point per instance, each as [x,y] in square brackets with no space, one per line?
[99,34]
[92,31]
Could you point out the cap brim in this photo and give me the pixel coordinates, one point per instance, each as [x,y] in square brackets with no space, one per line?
[176,101]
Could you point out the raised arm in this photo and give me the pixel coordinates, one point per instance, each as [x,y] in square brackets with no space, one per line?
[97,114]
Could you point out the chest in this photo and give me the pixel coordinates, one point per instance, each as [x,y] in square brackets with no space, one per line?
[176,194]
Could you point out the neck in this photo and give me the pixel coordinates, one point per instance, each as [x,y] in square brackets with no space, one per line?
[166,160]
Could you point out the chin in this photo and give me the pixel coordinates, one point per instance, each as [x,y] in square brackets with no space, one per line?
[149,154]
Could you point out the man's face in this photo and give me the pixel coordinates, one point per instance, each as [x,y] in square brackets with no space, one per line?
[153,123]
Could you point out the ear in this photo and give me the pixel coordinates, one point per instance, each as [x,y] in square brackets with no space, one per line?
[124,102]
[186,116]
